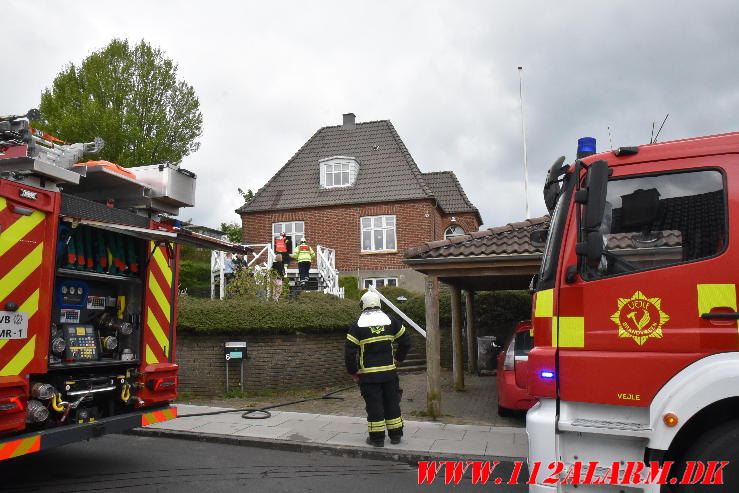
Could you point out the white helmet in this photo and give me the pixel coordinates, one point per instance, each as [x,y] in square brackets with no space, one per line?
[369,300]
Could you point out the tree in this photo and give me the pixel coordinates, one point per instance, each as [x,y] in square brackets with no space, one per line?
[232,231]
[129,96]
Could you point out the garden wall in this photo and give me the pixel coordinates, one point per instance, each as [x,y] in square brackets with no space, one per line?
[277,362]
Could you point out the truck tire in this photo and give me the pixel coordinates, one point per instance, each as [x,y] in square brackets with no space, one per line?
[718,444]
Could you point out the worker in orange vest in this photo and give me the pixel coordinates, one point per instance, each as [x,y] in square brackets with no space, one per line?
[284,246]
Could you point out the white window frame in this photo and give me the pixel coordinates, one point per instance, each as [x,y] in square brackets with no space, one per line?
[388,227]
[446,231]
[342,167]
[294,235]
[367,281]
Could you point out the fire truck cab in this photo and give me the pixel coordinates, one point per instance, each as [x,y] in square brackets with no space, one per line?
[88,290]
[636,346]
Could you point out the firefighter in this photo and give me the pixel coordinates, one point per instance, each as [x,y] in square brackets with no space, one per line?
[305,255]
[369,358]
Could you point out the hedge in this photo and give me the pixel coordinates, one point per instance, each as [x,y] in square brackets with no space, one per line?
[310,312]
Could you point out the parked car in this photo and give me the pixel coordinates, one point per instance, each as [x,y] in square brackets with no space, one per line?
[511,379]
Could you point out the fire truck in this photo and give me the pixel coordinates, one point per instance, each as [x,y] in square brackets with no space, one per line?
[636,346]
[88,290]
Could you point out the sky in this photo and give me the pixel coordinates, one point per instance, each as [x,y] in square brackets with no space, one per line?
[269,74]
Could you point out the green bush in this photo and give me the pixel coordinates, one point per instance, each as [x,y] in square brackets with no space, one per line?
[194,268]
[251,282]
[351,289]
[310,312]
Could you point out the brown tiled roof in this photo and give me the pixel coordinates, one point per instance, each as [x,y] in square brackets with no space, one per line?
[511,239]
[449,193]
[387,171]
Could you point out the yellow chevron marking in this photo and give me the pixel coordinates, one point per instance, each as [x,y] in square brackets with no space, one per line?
[2,204]
[156,329]
[162,300]
[162,263]
[150,358]
[21,271]
[18,230]
[25,446]
[30,306]
[21,359]
[169,413]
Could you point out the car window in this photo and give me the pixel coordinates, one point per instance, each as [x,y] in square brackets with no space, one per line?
[524,343]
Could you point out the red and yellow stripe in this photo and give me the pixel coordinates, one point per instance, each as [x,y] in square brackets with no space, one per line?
[16,448]
[158,416]
[158,308]
[21,255]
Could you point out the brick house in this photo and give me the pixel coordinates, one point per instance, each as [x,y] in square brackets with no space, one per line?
[355,188]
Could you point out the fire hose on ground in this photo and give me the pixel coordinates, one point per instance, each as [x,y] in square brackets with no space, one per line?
[265,414]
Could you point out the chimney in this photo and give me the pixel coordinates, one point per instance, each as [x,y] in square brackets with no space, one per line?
[349,121]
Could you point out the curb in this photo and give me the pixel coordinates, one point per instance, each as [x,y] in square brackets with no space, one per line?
[407,457]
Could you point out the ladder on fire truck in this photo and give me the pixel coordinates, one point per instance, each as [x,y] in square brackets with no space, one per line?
[262,257]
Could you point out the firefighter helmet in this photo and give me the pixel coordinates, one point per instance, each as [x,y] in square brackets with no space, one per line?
[369,300]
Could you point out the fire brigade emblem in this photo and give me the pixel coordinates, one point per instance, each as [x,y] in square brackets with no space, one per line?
[377,329]
[640,317]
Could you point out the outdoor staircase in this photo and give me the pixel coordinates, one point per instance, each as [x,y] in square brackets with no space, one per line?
[415,361]
[314,283]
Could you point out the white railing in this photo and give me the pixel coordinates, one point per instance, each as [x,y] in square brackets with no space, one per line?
[326,265]
[217,261]
[397,310]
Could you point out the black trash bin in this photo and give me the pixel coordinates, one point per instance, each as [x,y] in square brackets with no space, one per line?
[487,351]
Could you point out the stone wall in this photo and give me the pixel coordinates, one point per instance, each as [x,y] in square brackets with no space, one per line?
[276,362]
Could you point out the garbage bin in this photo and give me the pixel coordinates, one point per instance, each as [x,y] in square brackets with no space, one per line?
[487,351]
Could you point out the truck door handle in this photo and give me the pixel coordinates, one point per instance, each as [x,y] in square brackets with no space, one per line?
[725,316]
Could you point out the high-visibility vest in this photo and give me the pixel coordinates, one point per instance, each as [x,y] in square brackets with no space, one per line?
[305,253]
[280,244]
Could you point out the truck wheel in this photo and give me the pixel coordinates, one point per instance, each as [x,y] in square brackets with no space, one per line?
[718,444]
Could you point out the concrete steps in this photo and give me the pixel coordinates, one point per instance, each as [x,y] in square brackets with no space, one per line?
[414,362]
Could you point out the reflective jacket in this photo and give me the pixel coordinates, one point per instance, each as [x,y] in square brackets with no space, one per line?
[369,351]
[305,253]
[280,244]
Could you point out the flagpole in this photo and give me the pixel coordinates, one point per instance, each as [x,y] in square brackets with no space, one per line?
[523,133]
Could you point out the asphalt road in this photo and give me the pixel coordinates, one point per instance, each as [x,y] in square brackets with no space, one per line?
[125,463]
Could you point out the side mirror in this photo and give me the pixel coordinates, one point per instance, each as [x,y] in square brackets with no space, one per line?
[591,248]
[593,198]
[551,184]
[597,181]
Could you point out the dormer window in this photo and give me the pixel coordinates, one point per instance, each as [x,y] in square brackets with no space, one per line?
[338,171]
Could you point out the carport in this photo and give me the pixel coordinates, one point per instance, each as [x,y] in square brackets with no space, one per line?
[493,259]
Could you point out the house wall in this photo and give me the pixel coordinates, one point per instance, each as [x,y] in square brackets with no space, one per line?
[468,221]
[338,227]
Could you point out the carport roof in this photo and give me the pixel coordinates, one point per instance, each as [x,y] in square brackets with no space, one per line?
[502,257]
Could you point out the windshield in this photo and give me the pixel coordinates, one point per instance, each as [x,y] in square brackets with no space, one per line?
[554,238]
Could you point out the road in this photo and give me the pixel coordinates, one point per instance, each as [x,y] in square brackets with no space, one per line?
[123,463]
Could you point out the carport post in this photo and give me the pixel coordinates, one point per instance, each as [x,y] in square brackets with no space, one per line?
[433,348]
[457,350]
[469,301]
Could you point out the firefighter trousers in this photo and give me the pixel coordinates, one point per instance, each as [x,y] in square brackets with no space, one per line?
[382,400]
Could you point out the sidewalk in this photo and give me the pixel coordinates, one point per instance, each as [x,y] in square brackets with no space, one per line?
[343,435]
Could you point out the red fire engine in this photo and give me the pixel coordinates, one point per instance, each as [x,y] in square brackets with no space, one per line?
[635,310]
[88,290]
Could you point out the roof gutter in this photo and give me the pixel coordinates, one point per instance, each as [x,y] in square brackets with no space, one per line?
[471,259]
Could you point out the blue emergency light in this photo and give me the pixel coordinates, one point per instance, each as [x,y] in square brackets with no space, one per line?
[546,374]
[585,147]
